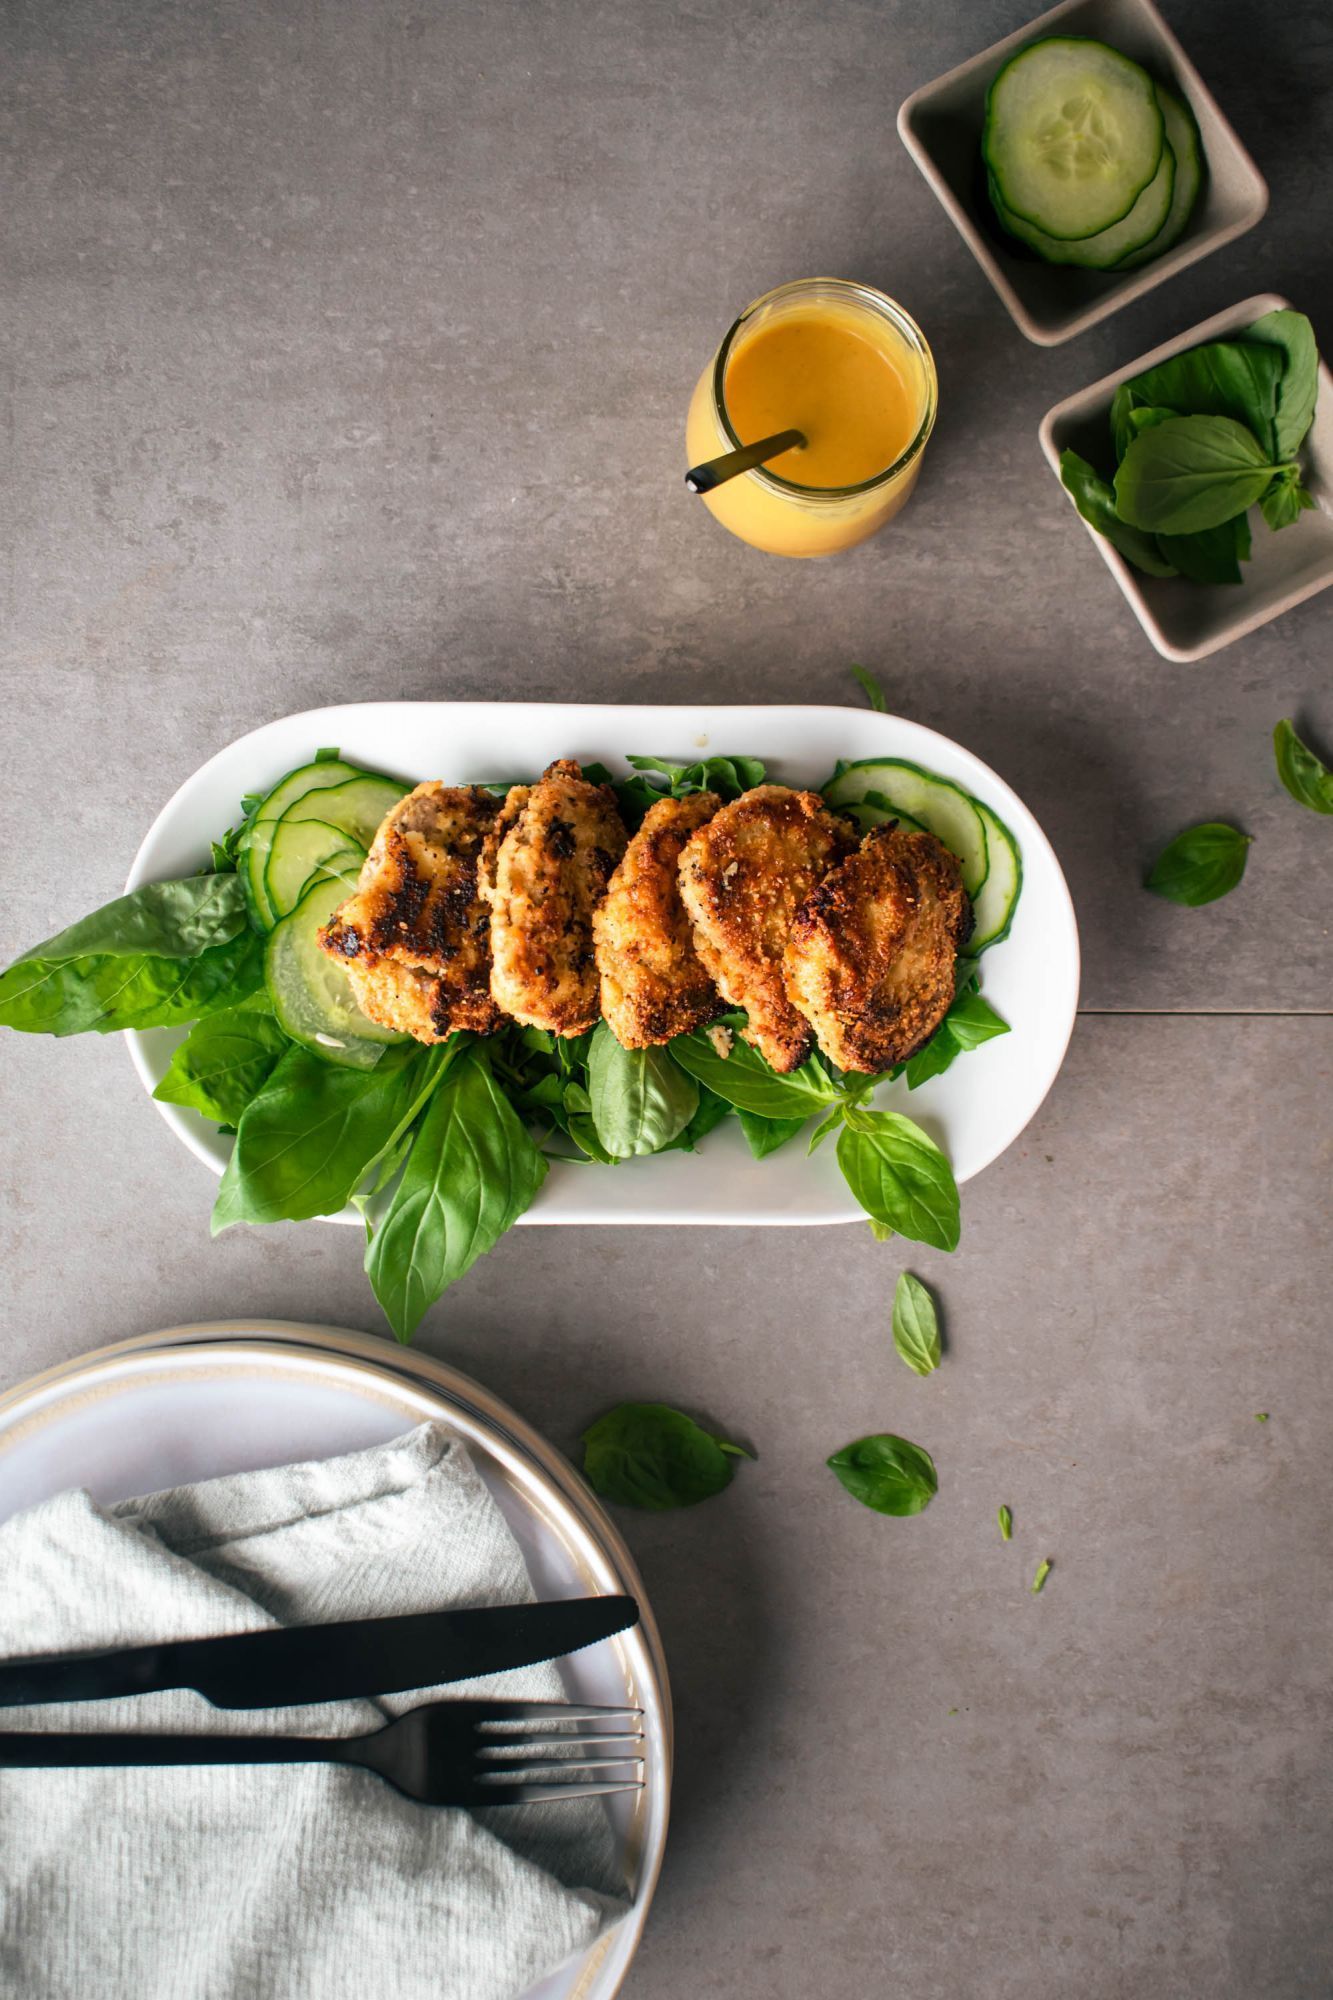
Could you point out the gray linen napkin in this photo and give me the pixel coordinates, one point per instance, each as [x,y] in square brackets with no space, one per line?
[300,1882]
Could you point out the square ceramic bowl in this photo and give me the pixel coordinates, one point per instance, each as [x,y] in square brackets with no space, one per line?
[1187,621]
[940,125]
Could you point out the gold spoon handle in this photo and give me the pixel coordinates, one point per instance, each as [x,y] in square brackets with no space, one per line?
[703,478]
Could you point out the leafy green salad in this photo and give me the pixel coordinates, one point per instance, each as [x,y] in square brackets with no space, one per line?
[441,1148]
[1198,441]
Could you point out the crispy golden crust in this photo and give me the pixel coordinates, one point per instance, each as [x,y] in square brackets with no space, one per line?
[653,985]
[743,877]
[557,853]
[870,959]
[415,937]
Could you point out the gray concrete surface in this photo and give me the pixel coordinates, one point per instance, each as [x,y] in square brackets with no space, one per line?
[346,350]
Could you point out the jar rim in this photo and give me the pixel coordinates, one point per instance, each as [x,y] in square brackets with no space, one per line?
[886,308]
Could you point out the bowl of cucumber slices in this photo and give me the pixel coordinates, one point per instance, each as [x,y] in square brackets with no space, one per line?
[1083,160]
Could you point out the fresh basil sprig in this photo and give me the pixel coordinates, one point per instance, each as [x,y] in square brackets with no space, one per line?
[916,1326]
[899,1176]
[651,1456]
[1304,773]
[1095,500]
[1200,864]
[744,1079]
[224,1061]
[887,1473]
[1193,473]
[639,1099]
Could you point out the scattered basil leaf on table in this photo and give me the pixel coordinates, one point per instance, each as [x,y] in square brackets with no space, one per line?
[1261,1416]
[1200,864]
[916,1326]
[871,688]
[639,1099]
[1095,500]
[306,1142]
[1044,1569]
[1006,1521]
[1190,474]
[887,1473]
[472,1171]
[651,1456]
[224,1061]
[765,1135]
[1298,384]
[900,1177]
[744,1079]
[1305,774]
[163,955]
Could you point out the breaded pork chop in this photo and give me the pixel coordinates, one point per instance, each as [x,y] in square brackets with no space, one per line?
[870,959]
[544,880]
[415,938]
[743,877]
[653,984]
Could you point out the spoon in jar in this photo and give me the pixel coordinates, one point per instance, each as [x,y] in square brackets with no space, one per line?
[703,478]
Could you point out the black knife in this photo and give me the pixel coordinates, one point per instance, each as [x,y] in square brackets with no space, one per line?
[305,1663]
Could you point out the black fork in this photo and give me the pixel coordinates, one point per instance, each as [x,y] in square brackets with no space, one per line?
[446,1753]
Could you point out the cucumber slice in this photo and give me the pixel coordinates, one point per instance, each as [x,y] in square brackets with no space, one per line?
[356,807]
[876,810]
[1182,136]
[311,994]
[344,866]
[1073,135]
[995,903]
[1134,231]
[943,808]
[297,850]
[252,857]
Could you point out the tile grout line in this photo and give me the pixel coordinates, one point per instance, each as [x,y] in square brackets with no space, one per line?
[1206,1013]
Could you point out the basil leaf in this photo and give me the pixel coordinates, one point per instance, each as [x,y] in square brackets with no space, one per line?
[1285,501]
[1191,473]
[649,1455]
[744,1079]
[1096,503]
[871,688]
[472,1171]
[1212,555]
[305,1143]
[1044,1569]
[727,776]
[934,1059]
[1200,864]
[1298,387]
[887,1473]
[829,1123]
[764,1135]
[1222,378]
[224,1061]
[916,1326]
[972,1020]
[640,1099]
[1305,775]
[1006,1521]
[900,1177]
[163,955]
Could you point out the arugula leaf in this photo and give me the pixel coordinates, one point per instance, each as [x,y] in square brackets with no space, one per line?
[1211,555]
[640,1100]
[160,956]
[727,776]
[224,1061]
[649,1455]
[1191,473]
[1298,386]
[871,688]
[306,1141]
[887,1473]
[900,1177]
[472,1171]
[1006,1521]
[1200,864]
[1095,501]
[1044,1569]
[916,1326]
[1305,775]
[744,1079]
[1234,379]
[765,1135]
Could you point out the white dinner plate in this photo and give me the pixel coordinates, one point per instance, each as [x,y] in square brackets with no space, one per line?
[191,1403]
[974,1111]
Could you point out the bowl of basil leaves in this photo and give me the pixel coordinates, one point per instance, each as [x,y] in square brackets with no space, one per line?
[1204,472]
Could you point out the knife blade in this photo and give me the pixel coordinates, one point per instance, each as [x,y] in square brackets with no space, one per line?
[309,1663]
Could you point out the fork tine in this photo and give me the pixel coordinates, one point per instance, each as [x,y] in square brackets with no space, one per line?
[538,1794]
[499,1774]
[508,1748]
[506,1712]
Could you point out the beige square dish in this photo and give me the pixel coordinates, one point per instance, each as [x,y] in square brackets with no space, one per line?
[1187,621]
[940,125]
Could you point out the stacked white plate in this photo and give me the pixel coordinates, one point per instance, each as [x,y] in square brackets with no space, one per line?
[193,1402]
